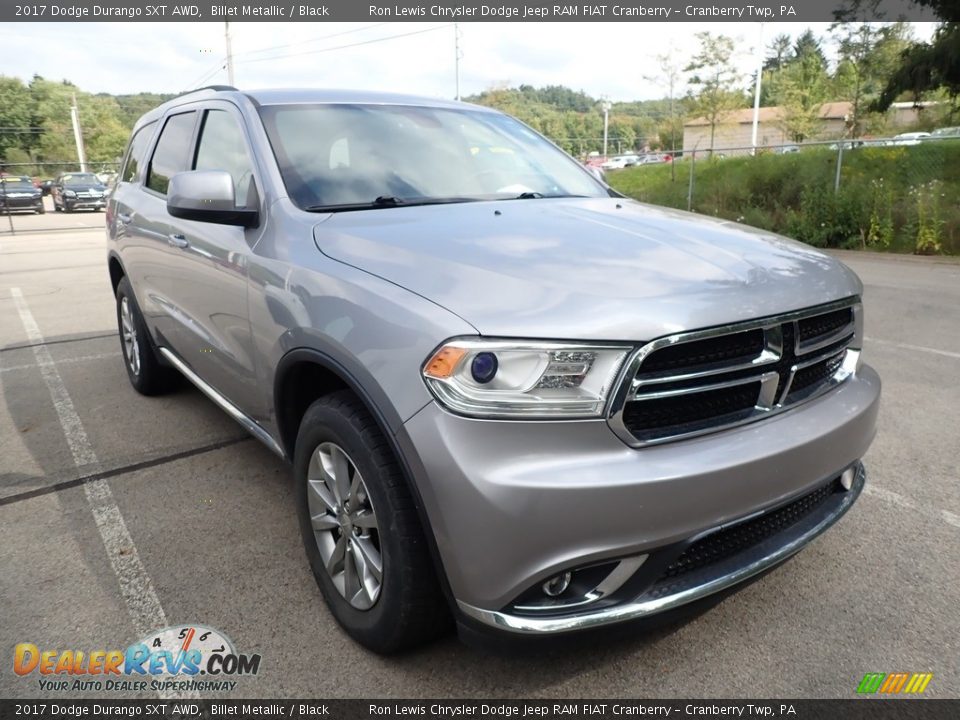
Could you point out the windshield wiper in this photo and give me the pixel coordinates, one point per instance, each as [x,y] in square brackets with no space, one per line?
[387,201]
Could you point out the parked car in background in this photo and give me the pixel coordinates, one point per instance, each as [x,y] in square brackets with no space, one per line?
[910,138]
[509,394]
[18,193]
[947,132]
[618,162]
[847,144]
[78,191]
[786,149]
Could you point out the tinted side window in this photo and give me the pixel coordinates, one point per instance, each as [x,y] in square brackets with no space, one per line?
[222,147]
[135,155]
[172,154]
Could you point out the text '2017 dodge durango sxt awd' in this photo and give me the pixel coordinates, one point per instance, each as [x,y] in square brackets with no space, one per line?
[509,394]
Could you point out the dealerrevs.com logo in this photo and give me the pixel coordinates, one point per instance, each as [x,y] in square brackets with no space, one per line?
[176,658]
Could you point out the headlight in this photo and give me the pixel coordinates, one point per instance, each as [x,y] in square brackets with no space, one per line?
[525,379]
[69,193]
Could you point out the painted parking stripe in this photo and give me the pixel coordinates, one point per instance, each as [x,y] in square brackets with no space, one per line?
[903,501]
[136,588]
[83,358]
[917,348]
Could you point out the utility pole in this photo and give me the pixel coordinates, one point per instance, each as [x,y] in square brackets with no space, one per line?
[457,55]
[756,91]
[77,134]
[229,54]
[606,123]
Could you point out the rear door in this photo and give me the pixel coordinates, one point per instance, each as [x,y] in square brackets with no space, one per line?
[150,257]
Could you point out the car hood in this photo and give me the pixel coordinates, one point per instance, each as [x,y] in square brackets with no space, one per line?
[587,269]
[85,188]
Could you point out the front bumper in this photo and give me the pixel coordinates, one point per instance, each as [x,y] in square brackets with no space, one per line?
[85,202]
[20,203]
[512,504]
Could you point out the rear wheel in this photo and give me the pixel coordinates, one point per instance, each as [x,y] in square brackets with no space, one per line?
[360,529]
[144,370]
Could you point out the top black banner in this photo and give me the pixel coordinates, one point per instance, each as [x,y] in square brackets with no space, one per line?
[464,11]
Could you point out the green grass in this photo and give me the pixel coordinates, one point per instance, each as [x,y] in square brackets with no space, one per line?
[889,199]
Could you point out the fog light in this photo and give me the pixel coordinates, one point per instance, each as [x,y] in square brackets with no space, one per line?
[558,584]
[846,478]
[484,367]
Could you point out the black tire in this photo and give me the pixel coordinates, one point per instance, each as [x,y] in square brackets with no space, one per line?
[57,208]
[410,609]
[147,375]
[41,210]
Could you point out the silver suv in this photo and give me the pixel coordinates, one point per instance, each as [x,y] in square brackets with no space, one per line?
[510,396]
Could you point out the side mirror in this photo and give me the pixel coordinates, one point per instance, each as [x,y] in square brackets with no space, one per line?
[207,196]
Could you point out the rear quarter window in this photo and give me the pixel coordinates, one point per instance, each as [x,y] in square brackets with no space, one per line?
[136,152]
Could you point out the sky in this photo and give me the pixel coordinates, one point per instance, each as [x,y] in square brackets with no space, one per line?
[604,59]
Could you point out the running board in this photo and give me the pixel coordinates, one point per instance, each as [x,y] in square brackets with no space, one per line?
[248,423]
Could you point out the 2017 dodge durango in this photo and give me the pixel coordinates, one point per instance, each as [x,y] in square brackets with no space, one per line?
[509,394]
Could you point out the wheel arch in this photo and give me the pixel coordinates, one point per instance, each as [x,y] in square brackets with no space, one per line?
[117,271]
[326,373]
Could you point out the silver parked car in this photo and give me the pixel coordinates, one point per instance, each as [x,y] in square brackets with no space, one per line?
[509,395]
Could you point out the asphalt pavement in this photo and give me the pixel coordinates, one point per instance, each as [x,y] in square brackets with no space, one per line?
[188,520]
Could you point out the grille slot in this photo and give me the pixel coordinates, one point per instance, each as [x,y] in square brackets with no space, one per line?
[677,411]
[724,348]
[700,382]
[810,329]
[817,373]
[725,543]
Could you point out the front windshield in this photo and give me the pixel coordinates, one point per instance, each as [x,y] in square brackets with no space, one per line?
[17,183]
[81,179]
[354,155]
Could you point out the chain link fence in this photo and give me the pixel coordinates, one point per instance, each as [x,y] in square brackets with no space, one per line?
[900,194]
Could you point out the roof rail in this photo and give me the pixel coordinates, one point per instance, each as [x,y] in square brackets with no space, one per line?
[206,87]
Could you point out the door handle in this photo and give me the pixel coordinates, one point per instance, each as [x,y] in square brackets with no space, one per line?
[125,219]
[177,240]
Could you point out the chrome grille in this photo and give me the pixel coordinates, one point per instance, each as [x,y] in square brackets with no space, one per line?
[694,383]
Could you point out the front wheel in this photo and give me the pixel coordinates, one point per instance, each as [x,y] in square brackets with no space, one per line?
[360,529]
[41,210]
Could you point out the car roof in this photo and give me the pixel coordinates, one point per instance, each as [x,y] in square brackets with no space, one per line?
[284,96]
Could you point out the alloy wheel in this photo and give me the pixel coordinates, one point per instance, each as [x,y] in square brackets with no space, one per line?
[131,343]
[345,525]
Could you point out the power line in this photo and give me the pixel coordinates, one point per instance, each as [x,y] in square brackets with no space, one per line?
[210,72]
[305,42]
[350,45]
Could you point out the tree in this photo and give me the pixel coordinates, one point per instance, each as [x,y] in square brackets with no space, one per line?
[668,78]
[15,118]
[802,88]
[868,55]
[713,72]
[808,45]
[777,52]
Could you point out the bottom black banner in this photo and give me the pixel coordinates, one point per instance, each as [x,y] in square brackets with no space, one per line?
[855,709]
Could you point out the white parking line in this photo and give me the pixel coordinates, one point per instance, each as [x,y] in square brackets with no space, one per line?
[902,501]
[84,358]
[136,588]
[918,348]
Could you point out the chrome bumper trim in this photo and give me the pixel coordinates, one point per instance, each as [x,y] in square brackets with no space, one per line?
[643,608]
